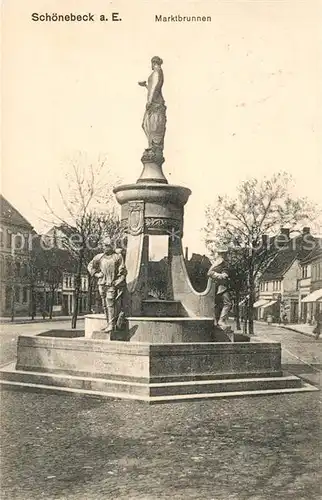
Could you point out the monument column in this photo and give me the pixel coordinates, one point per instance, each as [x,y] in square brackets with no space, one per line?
[151,207]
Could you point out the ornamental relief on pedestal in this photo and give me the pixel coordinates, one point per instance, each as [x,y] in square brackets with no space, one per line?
[135,218]
[158,223]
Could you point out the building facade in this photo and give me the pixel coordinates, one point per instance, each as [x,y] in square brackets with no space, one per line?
[279,286]
[24,285]
[62,298]
[310,286]
[64,295]
[16,237]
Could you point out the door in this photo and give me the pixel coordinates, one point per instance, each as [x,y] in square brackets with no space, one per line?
[65,305]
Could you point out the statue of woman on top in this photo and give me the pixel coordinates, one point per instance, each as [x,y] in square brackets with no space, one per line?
[154,120]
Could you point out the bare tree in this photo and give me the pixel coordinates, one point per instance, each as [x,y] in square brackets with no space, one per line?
[47,264]
[249,222]
[89,214]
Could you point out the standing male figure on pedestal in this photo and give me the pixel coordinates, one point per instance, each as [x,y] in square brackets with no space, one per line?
[219,273]
[109,268]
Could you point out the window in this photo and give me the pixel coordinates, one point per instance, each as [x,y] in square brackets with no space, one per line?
[18,269]
[68,281]
[304,271]
[15,241]
[18,242]
[1,238]
[8,267]
[17,293]
[25,294]
[9,239]
[266,286]
[298,284]
[27,237]
[25,269]
[8,299]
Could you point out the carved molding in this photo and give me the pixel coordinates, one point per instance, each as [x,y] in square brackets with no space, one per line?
[163,223]
[153,155]
[172,227]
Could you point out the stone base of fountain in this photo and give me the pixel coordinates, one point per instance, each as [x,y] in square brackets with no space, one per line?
[64,362]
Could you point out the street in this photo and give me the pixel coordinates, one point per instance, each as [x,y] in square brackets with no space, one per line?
[301,355]
[77,448]
[9,333]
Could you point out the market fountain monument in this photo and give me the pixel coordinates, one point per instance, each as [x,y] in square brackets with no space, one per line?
[170,349]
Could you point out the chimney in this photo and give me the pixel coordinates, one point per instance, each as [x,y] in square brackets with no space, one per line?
[286,232]
[282,240]
[306,230]
[186,253]
[265,240]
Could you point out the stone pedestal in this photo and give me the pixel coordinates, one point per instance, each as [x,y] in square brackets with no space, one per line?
[156,208]
[154,373]
[152,172]
[160,329]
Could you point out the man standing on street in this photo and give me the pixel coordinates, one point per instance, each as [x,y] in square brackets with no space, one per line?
[219,273]
[318,326]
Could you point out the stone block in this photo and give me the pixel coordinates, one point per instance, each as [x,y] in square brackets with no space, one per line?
[148,372]
[144,361]
[162,308]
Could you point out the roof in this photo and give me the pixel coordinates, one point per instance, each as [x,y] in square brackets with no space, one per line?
[283,260]
[10,215]
[62,228]
[281,263]
[314,254]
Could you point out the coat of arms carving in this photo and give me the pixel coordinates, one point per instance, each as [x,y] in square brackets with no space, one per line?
[136,217]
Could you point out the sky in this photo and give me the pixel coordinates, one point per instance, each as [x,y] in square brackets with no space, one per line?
[243,95]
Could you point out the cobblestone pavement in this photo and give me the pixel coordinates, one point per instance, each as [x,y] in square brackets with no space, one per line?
[256,448]
[58,447]
[301,355]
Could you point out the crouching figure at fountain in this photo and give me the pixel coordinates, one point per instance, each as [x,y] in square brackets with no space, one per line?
[109,268]
[219,274]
